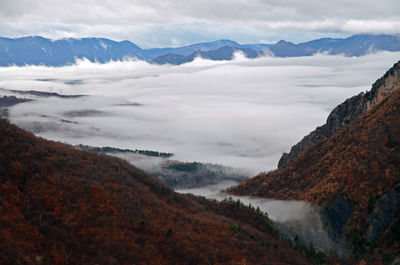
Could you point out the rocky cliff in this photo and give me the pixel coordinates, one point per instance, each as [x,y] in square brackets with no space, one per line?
[353,174]
[347,112]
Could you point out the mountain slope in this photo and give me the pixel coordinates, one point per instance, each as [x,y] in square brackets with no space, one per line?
[356,45]
[289,49]
[361,158]
[37,50]
[223,53]
[346,112]
[42,51]
[59,205]
[187,50]
[353,173]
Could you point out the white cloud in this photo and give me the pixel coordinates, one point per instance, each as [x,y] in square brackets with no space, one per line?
[242,113]
[373,26]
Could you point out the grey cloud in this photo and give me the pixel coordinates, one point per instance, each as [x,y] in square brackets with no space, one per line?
[140,20]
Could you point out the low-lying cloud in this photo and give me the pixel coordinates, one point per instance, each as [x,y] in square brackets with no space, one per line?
[240,113]
[292,218]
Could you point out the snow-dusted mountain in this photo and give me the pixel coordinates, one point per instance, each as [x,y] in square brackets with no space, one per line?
[36,50]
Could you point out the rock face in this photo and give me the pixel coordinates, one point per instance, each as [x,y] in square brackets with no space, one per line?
[396,262]
[335,215]
[382,216]
[345,172]
[337,212]
[346,112]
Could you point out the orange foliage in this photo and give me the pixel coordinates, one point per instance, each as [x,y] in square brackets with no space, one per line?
[59,205]
[359,159]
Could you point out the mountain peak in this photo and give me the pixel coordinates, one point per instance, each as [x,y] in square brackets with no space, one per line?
[226,42]
[283,42]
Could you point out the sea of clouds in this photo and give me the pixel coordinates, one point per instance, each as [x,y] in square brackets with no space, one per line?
[240,113]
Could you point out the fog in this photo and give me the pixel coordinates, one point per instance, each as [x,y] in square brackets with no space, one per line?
[240,113]
[178,175]
[290,217]
[279,211]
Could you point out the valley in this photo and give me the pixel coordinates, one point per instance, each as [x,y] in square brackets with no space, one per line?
[209,132]
[206,142]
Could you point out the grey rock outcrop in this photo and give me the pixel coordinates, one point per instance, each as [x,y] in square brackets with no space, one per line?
[347,112]
[396,262]
[335,215]
[382,216]
[337,212]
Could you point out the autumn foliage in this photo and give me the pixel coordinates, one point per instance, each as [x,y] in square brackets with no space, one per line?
[59,205]
[360,159]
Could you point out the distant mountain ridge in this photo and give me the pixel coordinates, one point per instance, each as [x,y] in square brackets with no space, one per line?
[42,51]
[36,50]
[220,54]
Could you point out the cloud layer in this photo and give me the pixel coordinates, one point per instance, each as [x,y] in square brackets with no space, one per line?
[240,113]
[160,23]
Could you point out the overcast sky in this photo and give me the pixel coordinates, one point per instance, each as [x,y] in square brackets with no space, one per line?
[155,23]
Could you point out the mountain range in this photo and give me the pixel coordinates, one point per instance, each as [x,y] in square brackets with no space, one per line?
[36,50]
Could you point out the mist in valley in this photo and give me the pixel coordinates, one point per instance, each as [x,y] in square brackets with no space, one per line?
[294,219]
[241,113]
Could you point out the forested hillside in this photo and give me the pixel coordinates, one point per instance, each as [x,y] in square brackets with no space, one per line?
[353,175]
[60,205]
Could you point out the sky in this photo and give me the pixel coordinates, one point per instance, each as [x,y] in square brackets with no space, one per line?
[242,113]
[161,23]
